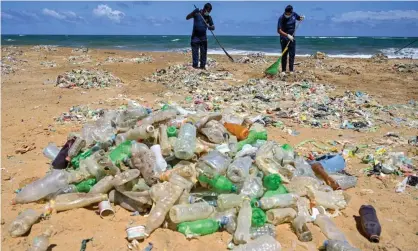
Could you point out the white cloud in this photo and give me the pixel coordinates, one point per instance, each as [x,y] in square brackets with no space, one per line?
[361,16]
[53,13]
[6,16]
[103,10]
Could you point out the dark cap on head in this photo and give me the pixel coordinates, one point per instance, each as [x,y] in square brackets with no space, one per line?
[289,8]
[208,6]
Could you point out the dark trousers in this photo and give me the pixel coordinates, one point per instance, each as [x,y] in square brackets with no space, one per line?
[203,46]
[291,51]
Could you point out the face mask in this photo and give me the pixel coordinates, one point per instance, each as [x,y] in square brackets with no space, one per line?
[207,14]
[287,16]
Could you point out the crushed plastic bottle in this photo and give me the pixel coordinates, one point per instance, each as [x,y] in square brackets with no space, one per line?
[190,212]
[301,229]
[332,199]
[280,215]
[198,228]
[228,201]
[242,233]
[328,228]
[64,202]
[131,201]
[103,186]
[345,181]
[263,243]
[267,229]
[252,187]
[144,160]
[279,200]
[214,163]
[337,245]
[214,131]
[23,222]
[239,169]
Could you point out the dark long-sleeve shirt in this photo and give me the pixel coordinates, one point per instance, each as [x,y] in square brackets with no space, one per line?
[199,27]
[288,25]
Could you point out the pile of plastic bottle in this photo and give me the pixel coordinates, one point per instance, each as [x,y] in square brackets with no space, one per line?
[202,172]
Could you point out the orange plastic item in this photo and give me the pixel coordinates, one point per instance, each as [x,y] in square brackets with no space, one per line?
[239,131]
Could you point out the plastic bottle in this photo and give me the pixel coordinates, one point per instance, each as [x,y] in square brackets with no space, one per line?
[186,142]
[258,217]
[165,195]
[198,228]
[288,154]
[103,186]
[228,201]
[76,147]
[242,233]
[125,177]
[337,245]
[370,223]
[140,202]
[161,164]
[332,163]
[239,131]
[51,151]
[184,168]
[70,201]
[42,187]
[320,171]
[239,169]
[280,200]
[23,222]
[85,185]
[263,243]
[139,132]
[303,206]
[214,163]
[143,159]
[267,229]
[281,190]
[204,120]
[158,116]
[252,187]
[121,152]
[345,181]
[177,180]
[41,242]
[299,185]
[233,145]
[190,212]
[163,140]
[328,228]
[253,136]
[280,215]
[301,229]
[214,131]
[272,181]
[333,199]
[228,218]
[218,183]
[303,168]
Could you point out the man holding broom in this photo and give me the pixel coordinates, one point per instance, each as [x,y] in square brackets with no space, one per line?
[286,28]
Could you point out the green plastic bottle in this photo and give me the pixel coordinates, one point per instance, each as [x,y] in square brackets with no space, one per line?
[258,217]
[85,185]
[75,162]
[281,190]
[272,181]
[198,228]
[121,152]
[219,183]
[252,138]
[171,131]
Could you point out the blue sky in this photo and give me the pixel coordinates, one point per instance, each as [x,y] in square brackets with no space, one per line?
[230,18]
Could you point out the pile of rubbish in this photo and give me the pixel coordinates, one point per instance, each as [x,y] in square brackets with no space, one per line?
[200,172]
[45,48]
[80,50]
[11,51]
[81,59]
[138,60]
[211,62]
[379,58]
[253,58]
[409,68]
[319,55]
[344,70]
[80,114]
[48,64]
[6,69]
[87,79]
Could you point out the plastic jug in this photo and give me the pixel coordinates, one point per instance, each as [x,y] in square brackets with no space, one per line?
[23,222]
[280,215]
[186,142]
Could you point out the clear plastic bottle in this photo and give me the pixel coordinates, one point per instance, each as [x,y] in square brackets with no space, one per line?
[278,200]
[239,169]
[92,166]
[140,202]
[233,145]
[263,243]
[159,116]
[41,242]
[161,164]
[252,187]
[230,200]
[184,168]
[144,160]
[214,163]
[51,151]
[280,215]
[125,177]
[76,147]
[178,180]
[103,186]
[328,228]
[299,185]
[242,233]
[23,222]
[345,181]
[163,140]
[228,217]
[164,196]
[303,206]
[186,142]
[337,245]
[303,168]
[301,229]
[139,132]
[267,229]
[190,212]
[332,199]
[41,188]
[70,201]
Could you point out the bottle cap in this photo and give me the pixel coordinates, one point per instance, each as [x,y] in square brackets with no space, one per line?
[171,131]
[224,221]
[234,188]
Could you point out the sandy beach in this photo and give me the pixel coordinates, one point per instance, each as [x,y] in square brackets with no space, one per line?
[30,101]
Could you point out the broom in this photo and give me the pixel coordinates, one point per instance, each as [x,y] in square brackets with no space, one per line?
[274,68]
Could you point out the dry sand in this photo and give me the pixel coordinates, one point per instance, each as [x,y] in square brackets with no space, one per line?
[29,105]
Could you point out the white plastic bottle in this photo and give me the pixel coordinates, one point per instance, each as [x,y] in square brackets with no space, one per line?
[242,233]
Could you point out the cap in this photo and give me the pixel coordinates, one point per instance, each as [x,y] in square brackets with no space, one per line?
[289,8]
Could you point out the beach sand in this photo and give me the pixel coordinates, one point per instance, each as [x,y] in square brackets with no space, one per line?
[29,105]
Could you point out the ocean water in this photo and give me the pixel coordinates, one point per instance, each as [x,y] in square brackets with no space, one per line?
[349,47]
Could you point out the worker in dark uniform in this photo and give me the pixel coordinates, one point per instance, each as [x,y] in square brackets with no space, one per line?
[286,28]
[199,41]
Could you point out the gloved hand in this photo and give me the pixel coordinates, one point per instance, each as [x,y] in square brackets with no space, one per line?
[302,18]
[211,28]
[290,37]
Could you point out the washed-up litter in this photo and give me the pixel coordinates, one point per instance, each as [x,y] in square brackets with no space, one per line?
[81,59]
[48,64]
[87,79]
[319,55]
[409,68]
[45,48]
[138,60]
[80,50]
[80,114]
[379,58]
[344,70]
[201,172]
[6,69]
[253,58]
[211,62]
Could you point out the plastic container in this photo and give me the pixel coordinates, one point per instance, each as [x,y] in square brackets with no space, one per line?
[139,132]
[332,199]
[370,223]
[303,207]
[51,151]
[228,218]
[336,245]
[144,160]
[301,229]
[131,201]
[50,183]
[214,163]
[267,229]
[190,212]
[320,171]
[219,183]
[228,201]
[328,228]
[163,140]
[239,169]
[41,242]
[184,168]
[125,177]
[76,147]
[161,164]
[345,181]
[239,131]
[186,142]
[263,243]
[198,228]
[23,222]
[331,163]
[70,201]
[253,136]
[280,200]
[258,217]
[103,186]
[280,215]
[252,187]
[85,185]
[242,233]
